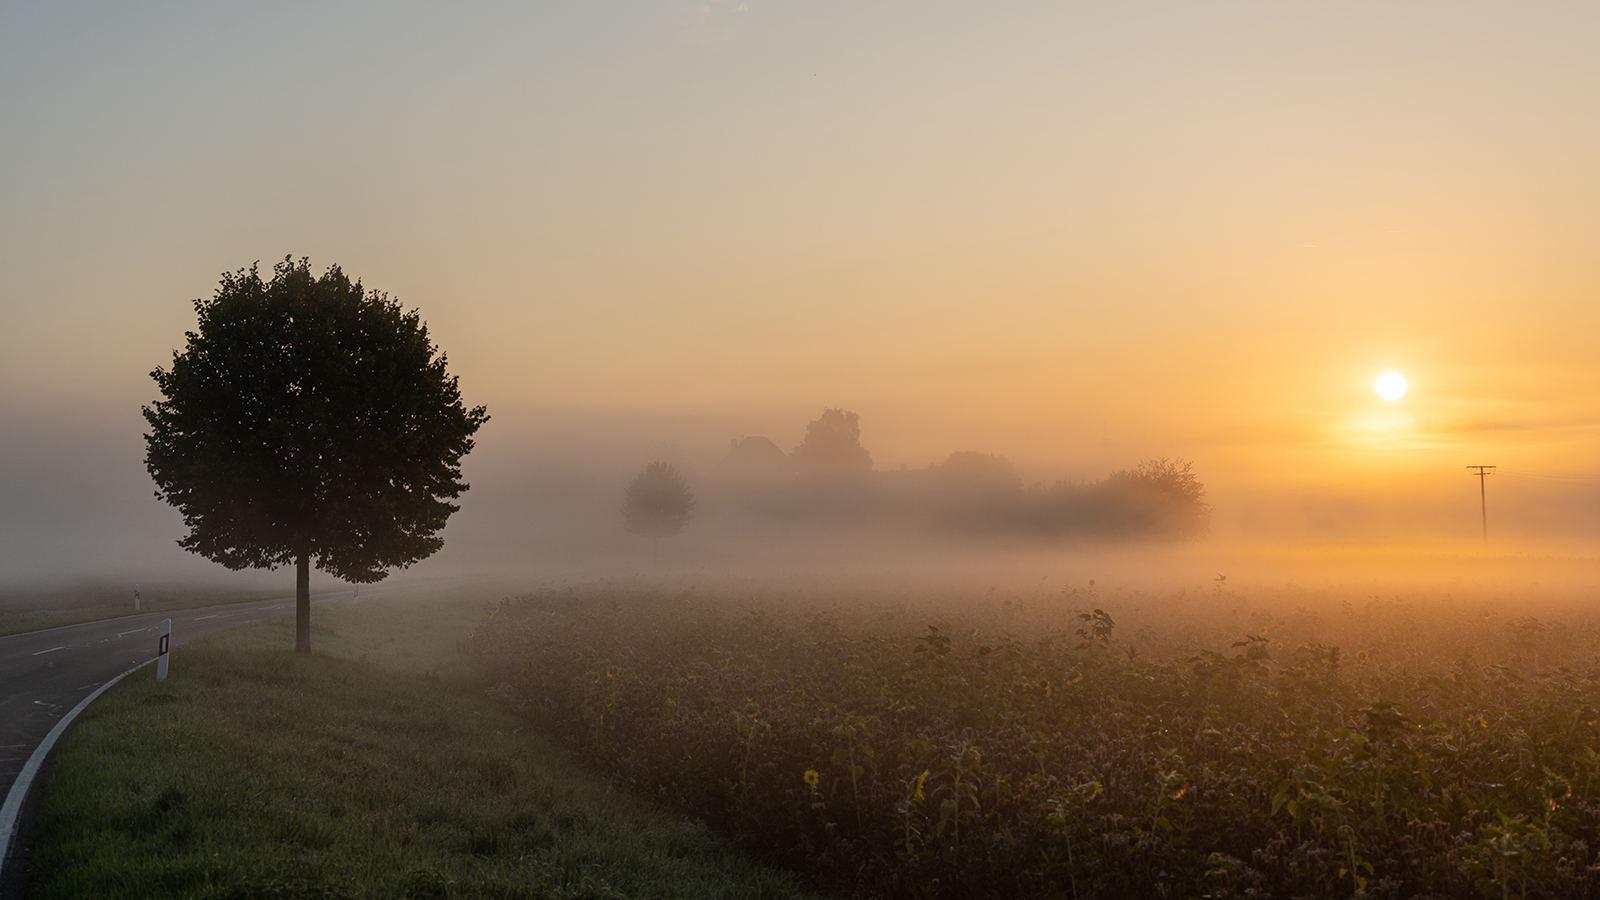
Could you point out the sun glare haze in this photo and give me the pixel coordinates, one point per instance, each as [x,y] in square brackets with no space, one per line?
[1390,386]
[1068,236]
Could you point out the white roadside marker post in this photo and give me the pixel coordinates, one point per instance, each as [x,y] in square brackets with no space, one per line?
[161,654]
[136,598]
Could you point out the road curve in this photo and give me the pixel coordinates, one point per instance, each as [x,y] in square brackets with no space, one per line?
[44,674]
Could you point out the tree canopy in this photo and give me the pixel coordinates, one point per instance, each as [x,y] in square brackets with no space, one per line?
[657,503]
[308,419]
[832,446]
[1160,497]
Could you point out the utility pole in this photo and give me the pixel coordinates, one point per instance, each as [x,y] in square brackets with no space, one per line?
[1483,497]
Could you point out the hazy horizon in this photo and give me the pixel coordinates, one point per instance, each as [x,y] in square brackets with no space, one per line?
[1075,237]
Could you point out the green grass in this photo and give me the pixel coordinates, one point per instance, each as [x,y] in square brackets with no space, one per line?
[253,772]
[21,619]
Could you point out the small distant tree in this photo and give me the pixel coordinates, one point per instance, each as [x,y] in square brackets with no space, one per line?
[657,503]
[833,446]
[309,420]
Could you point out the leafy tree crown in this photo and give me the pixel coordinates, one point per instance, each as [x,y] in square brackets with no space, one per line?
[832,445]
[309,417]
[1164,496]
[657,502]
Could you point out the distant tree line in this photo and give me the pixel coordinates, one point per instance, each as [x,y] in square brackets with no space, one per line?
[829,478]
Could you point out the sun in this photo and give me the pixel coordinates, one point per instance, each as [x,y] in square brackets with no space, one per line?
[1390,386]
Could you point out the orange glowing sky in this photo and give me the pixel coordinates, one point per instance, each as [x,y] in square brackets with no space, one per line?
[1074,234]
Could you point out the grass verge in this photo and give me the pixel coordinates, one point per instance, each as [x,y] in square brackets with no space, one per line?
[21,619]
[254,772]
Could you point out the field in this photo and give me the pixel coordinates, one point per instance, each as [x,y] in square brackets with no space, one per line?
[36,610]
[1078,743]
[373,769]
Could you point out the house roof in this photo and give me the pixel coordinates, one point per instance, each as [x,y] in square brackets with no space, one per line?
[754,455]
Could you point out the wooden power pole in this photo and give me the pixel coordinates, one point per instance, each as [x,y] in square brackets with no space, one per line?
[1483,497]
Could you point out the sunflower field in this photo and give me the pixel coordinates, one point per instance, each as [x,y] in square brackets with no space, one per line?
[1052,748]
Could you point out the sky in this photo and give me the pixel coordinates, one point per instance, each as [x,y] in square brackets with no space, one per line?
[1078,235]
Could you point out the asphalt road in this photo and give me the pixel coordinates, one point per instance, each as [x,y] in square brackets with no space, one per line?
[44,674]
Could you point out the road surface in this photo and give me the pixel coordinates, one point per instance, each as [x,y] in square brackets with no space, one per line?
[44,674]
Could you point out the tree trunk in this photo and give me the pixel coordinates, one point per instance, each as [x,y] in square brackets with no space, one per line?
[302,604]
[654,539]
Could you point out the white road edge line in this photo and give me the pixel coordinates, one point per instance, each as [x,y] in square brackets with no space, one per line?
[12,809]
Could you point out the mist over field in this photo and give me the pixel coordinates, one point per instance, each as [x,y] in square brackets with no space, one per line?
[547,493]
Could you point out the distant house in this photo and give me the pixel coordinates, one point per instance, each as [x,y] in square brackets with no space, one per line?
[753,458]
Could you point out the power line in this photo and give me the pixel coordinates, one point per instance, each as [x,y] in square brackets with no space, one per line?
[1550,476]
[1341,484]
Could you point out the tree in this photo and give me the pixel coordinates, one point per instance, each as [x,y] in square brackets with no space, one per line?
[833,446]
[657,503]
[979,474]
[1157,498]
[309,419]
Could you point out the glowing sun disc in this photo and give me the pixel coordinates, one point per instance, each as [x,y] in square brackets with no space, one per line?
[1390,386]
